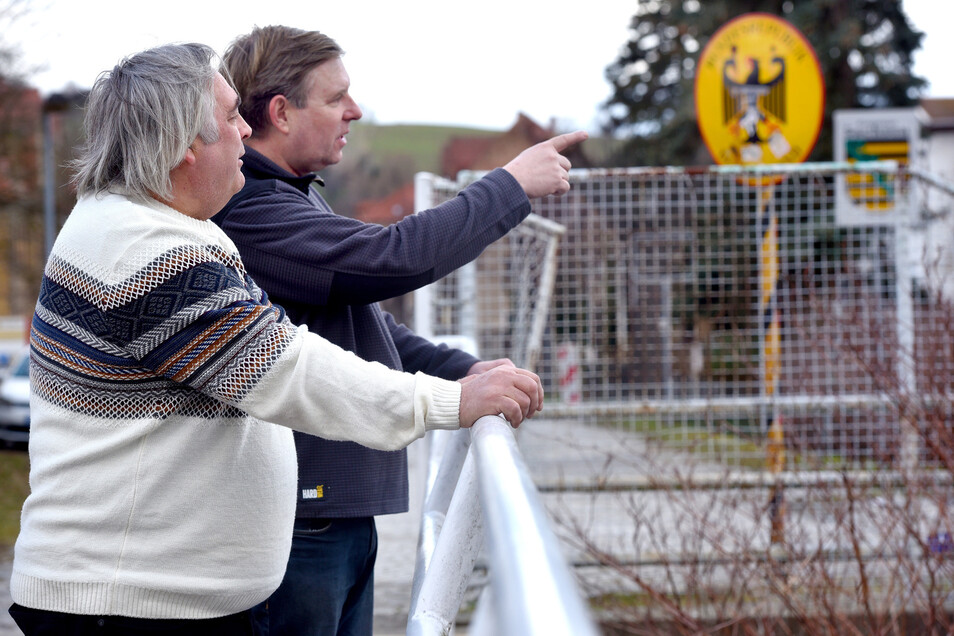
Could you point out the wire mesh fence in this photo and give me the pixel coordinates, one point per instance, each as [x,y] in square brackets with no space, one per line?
[750,403]
[699,306]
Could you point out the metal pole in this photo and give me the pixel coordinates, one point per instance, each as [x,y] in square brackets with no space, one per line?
[907,378]
[442,480]
[771,359]
[452,561]
[49,186]
[533,590]
[423,303]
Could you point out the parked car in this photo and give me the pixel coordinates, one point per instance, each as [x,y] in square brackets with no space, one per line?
[15,401]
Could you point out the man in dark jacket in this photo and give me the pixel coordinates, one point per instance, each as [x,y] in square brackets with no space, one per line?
[329,272]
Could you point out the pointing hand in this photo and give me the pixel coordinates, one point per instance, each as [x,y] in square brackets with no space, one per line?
[541,169]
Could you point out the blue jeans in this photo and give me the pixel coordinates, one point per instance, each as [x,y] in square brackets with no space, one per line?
[328,589]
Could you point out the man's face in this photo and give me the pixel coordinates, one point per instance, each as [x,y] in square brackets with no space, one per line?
[219,164]
[317,131]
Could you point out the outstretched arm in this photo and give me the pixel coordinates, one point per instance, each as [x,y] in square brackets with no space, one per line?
[301,251]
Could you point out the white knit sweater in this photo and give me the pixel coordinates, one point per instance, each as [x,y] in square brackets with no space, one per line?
[158,490]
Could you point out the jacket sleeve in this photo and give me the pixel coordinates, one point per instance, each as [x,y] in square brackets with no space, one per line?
[299,249]
[421,355]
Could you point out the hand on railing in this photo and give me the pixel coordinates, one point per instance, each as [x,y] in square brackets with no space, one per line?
[486,365]
[506,390]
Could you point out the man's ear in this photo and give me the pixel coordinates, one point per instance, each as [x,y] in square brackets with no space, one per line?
[190,157]
[278,113]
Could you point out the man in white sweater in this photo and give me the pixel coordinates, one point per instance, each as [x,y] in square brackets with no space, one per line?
[162,490]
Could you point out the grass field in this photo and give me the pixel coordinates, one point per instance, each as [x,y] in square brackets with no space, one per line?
[421,144]
[14,486]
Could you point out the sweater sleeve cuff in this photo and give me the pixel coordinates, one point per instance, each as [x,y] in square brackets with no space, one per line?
[444,407]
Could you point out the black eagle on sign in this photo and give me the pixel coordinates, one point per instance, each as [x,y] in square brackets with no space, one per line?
[751,99]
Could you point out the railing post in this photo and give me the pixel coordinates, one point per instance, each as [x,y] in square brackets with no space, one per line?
[442,479]
[533,589]
[435,606]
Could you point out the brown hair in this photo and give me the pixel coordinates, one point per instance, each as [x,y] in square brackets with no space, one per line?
[275,60]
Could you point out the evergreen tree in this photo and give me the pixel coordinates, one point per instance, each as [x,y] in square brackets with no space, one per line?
[864,48]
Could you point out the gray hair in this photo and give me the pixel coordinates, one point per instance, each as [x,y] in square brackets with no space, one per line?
[142,117]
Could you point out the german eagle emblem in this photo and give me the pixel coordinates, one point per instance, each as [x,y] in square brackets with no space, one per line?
[753,98]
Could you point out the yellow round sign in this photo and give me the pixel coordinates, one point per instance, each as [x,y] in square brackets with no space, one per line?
[760,95]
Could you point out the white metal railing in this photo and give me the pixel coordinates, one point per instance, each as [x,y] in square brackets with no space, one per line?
[476,478]
[478,483]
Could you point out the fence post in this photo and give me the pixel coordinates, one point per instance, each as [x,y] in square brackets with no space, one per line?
[423,310]
[450,448]
[435,606]
[907,377]
[771,356]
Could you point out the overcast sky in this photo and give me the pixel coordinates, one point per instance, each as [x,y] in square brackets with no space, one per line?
[410,61]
